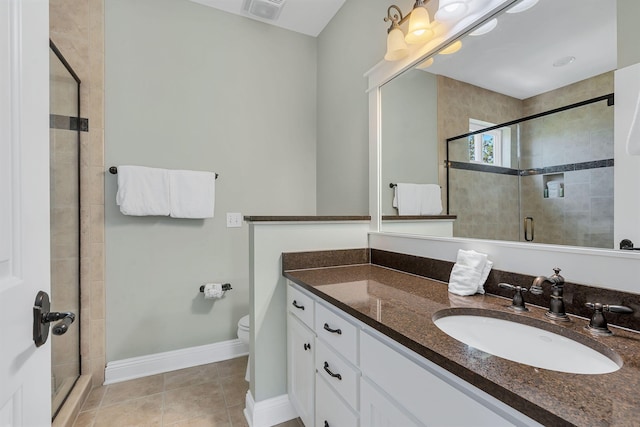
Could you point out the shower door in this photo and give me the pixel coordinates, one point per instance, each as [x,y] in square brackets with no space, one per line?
[546,178]
[64,148]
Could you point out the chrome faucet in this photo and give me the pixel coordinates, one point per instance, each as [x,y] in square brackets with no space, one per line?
[556,305]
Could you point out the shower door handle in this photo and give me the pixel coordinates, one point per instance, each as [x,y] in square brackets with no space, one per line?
[42,317]
[528,225]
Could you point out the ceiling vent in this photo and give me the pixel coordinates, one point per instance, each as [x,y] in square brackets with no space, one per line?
[264,9]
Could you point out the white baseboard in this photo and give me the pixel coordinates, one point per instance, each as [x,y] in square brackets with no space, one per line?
[268,412]
[143,366]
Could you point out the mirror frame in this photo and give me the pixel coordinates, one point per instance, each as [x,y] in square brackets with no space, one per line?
[622,267]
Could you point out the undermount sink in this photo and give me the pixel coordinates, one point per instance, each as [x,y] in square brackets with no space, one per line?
[504,335]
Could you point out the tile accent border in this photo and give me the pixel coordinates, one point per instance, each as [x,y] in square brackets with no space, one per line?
[138,367]
[68,123]
[575,295]
[569,167]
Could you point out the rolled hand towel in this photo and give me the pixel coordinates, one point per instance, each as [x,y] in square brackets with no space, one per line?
[464,280]
[469,273]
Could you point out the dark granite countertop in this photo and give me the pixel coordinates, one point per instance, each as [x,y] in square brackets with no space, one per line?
[416,217]
[401,306]
[254,218]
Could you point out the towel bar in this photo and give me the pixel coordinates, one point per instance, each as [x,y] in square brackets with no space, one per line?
[114,170]
[225,287]
[392,185]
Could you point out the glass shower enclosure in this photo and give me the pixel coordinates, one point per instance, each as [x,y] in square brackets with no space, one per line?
[65,126]
[545,178]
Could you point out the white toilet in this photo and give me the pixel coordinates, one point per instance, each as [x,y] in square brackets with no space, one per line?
[243,335]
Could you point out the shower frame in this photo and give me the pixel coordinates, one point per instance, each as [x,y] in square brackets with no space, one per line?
[78,124]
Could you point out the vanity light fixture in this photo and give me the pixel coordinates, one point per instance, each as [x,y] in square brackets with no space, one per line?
[452,48]
[522,6]
[451,10]
[485,28]
[419,29]
[425,64]
[396,46]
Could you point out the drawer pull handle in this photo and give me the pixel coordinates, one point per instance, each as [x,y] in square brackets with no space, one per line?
[295,304]
[333,331]
[326,368]
[307,346]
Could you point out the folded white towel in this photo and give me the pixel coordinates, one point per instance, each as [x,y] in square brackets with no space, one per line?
[417,199]
[464,280]
[192,194]
[430,199]
[469,273]
[143,191]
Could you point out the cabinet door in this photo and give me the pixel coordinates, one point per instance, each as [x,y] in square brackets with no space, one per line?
[300,369]
[378,411]
[331,411]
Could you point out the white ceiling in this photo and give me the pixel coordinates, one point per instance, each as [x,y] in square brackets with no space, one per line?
[517,57]
[302,16]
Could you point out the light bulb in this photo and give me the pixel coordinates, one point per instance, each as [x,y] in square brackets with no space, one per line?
[396,47]
[452,48]
[419,26]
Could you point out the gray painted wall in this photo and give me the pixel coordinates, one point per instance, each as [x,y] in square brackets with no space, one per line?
[352,43]
[191,87]
[409,133]
[628,32]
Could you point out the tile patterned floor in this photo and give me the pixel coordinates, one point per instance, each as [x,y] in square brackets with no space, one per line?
[203,396]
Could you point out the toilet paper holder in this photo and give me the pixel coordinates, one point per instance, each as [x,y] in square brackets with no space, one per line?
[225,287]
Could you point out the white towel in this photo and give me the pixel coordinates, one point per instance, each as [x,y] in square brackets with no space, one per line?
[143,191]
[417,199]
[464,280]
[192,194]
[469,273]
[430,199]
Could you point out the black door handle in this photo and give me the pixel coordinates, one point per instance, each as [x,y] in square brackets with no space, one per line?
[295,304]
[42,317]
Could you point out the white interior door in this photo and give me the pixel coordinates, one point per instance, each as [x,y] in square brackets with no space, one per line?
[25,385]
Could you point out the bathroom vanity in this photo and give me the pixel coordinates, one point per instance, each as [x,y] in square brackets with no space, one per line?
[363,350]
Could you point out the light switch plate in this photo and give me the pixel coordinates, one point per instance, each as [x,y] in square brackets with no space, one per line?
[234,219]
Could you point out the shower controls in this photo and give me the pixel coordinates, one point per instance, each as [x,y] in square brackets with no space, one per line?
[42,317]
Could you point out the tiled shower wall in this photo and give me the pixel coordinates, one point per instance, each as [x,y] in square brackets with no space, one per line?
[487,203]
[77,29]
[584,215]
[477,198]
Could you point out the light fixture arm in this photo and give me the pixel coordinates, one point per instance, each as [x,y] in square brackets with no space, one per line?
[396,18]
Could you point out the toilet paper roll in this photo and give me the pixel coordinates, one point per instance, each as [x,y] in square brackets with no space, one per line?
[213,291]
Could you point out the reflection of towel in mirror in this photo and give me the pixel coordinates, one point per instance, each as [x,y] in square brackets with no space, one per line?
[469,273]
[417,199]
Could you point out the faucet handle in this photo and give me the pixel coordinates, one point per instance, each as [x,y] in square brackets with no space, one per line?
[598,323]
[517,303]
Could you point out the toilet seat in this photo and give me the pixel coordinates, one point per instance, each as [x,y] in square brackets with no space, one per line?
[243,323]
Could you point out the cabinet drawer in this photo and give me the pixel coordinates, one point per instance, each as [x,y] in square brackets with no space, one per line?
[426,396]
[337,332]
[331,411]
[300,305]
[337,372]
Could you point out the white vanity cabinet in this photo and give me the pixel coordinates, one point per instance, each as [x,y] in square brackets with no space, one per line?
[300,354]
[366,379]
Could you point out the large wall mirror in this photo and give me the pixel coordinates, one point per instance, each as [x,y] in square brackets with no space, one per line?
[548,179]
